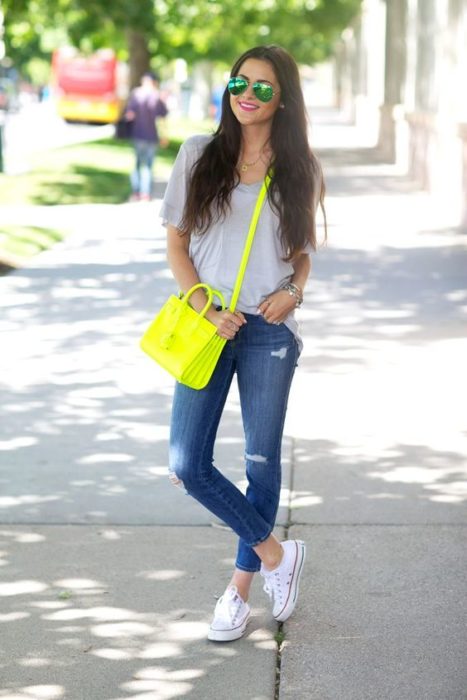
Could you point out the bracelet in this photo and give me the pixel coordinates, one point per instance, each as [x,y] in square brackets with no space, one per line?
[294,291]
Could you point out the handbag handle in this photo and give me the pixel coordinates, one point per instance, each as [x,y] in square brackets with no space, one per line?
[249,242]
[210,293]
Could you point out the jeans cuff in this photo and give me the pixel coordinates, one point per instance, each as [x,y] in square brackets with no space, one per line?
[244,568]
[262,539]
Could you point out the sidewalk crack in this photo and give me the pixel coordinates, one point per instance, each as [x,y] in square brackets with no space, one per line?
[279,637]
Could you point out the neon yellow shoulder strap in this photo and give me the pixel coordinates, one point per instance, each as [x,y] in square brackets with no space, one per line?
[249,242]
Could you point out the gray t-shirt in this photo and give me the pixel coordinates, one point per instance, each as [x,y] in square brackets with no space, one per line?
[216,254]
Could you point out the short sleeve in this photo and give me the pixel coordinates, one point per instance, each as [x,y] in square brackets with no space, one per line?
[173,204]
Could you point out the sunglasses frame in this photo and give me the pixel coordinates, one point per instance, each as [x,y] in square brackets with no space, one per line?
[256,87]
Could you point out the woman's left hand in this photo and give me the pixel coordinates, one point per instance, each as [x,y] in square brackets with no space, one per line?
[277,306]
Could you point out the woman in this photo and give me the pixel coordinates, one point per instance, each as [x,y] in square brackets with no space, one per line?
[207,209]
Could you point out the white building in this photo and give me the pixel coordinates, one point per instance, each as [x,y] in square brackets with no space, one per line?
[402,70]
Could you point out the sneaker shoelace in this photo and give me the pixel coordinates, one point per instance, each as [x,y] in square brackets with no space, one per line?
[272,586]
[229,605]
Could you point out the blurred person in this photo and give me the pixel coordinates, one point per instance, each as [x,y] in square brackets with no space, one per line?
[144,107]
[215,107]
[207,210]
[43,93]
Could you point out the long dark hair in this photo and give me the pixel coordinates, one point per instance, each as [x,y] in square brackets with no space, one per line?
[297,184]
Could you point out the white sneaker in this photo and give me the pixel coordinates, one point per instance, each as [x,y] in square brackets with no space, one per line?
[231,617]
[281,584]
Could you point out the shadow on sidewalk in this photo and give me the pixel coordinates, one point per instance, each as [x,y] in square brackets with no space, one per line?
[392,296]
[104,613]
[399,484]
[362,171]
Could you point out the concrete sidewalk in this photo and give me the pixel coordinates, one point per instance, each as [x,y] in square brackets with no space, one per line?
[109,573]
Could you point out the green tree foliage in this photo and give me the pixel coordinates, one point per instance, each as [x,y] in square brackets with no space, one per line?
[210,29]
[219,31]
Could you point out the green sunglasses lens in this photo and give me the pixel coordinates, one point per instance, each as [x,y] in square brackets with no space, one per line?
[263,91]
[237,85]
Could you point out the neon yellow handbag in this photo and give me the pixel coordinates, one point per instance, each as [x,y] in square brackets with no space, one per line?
[183,341]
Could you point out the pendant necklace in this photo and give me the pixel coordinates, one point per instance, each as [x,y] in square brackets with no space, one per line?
[244,166]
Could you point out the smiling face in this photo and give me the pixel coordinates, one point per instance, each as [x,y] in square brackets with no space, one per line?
[248,109]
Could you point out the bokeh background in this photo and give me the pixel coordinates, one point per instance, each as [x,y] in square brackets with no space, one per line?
[395,68]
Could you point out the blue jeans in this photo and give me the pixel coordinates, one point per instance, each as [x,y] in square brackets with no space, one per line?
[141,177]
[264,357]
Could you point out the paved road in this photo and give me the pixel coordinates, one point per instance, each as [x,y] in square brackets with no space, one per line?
[109,574]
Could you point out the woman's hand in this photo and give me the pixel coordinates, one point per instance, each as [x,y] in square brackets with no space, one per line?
[277,306]
[228,324]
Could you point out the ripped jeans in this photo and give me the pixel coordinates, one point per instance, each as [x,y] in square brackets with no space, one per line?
[264,357]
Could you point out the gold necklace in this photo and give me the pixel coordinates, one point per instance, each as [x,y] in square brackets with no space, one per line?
[244,166]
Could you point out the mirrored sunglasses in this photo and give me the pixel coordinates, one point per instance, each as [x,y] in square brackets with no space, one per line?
[263,91]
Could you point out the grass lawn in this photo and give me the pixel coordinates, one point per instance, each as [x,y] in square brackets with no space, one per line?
[91,172]
[95,172]
[18,242]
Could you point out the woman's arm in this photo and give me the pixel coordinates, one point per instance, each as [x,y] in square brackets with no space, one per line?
[186,277]
[278,305]
[180,263]
[302,269]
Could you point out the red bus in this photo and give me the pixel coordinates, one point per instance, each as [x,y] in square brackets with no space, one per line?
[88,88]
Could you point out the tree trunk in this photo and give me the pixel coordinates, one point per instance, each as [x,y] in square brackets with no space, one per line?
[394,75]
[426,88]
[396,50]
[138,56]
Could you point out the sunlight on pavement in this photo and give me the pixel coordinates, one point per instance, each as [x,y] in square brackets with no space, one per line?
[21,588]
[454,492]
[105,458]
[78,584]
[163,683]
[430,478]
[49,604]
[110,534]
[38,662]
[162,575]
[163,689]
[14,616]
[185,631]
[23,537]
[298,499]
[113,654]
[400,395]
[160,650]
[120,630]
[29,499]
[17,442]
[35,692]
[413,475]
[158,471]
[98,614]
